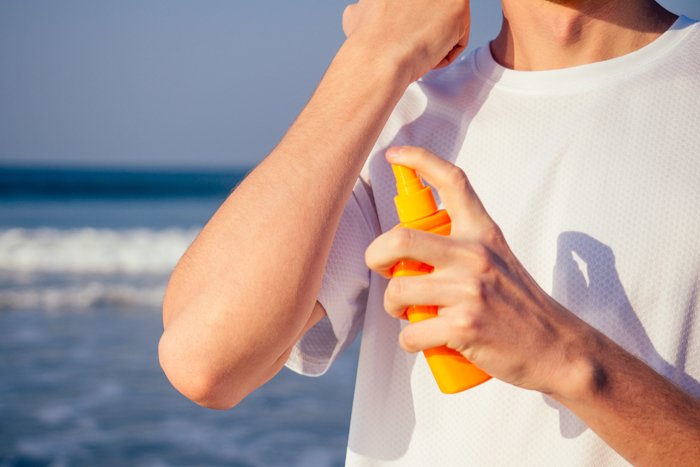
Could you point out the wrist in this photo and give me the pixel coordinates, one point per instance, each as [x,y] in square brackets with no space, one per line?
[390,64]
[584,373]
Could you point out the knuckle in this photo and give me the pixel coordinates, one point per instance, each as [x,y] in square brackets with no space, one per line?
[347,12]
[457,178]
[368,257]
[408,340]
[420,151]
[472,289]
[464,328]
[403,239]
[393,293]
[464,254]
[480,258]
[492,235]
[348,19]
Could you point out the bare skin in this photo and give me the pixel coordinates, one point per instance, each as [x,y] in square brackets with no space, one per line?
[550,34]
[246,289]
[231,317]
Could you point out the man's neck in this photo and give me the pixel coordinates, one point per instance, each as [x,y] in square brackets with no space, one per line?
[551,34]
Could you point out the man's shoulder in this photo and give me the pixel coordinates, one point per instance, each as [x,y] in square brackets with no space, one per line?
[433,111]
[437,91]
[688,49]
[452,77]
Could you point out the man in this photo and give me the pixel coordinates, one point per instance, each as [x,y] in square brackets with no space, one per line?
[577,130]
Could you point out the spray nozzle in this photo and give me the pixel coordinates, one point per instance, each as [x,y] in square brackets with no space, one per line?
[407,181]
[414,200]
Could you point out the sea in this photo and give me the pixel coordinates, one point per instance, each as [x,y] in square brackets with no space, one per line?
[85,255]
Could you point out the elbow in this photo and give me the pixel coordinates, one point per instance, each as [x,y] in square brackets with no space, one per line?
[188,367]
[199,382]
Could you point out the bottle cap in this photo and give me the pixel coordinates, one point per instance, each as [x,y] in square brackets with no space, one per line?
[414,200]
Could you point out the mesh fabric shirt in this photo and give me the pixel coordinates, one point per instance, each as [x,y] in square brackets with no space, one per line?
[593,175]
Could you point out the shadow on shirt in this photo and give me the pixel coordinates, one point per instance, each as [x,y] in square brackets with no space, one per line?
[587,283]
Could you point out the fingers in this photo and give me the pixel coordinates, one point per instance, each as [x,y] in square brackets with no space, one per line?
[435,289]
[451,56]
[401,243]
[467,262]
[455,329]
[456,51]
[425,334]
[428,248]
[402,292]
[461,202]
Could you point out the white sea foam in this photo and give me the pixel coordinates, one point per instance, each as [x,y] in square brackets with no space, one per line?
[83,296]
[92,251]
[83,269]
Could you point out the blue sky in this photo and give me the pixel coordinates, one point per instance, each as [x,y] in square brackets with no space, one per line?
[176,83]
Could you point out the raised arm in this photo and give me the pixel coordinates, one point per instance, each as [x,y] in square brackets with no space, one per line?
[246,289]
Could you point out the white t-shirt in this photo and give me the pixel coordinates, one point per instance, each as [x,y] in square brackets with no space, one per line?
[593,174]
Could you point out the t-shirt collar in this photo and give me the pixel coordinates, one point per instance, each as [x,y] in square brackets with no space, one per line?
[583,76]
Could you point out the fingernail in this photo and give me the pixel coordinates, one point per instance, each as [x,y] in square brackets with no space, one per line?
[394,153]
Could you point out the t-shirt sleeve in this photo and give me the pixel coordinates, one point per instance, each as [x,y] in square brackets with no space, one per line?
[344,288]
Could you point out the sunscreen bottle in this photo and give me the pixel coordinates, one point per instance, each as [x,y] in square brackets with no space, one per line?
[417,209]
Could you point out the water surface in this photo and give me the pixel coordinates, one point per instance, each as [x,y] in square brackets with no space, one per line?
[82,273]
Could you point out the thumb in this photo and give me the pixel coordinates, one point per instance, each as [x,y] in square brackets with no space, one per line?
[469,218]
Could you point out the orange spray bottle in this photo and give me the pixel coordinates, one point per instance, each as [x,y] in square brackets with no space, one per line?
[417,209]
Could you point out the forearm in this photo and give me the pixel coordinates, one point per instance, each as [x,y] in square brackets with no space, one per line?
[638,412]
[246,287]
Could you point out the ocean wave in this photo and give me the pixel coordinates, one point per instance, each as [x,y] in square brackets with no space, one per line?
[88,296]
[92,251]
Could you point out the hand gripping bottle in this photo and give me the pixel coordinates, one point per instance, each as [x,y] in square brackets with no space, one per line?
[416,208]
